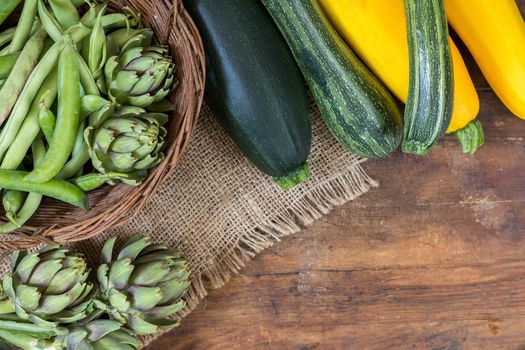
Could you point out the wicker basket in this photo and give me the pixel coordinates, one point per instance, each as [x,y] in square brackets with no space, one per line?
[112,206]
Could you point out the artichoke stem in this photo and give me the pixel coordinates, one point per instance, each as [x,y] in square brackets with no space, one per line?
[19,340]
[22,328]
[293,179]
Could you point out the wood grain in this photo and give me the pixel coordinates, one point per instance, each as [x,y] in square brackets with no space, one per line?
[433,259]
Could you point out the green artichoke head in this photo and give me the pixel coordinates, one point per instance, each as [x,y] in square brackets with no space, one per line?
[131,141]
[140,76]
[98,335]
[49,287]
[93,335]
[143,284]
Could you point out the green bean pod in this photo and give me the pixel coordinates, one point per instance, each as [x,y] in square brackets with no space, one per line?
[97,55]
[47,121]
[6,36]
[90,104]
[13,202]
[92,181]
[49,23]
[54,188]
[111,22]
[33,200]
[90,16]
[68,118]
[79,3]
[86,78]
[25,24]
[7,63]
[79,139]
[39,74]
[20,73]
[73,166]
[121,36]
[30,127]
[6,8]
[65,12]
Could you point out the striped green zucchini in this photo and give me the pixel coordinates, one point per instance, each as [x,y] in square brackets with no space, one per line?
[431,87]
[357,108]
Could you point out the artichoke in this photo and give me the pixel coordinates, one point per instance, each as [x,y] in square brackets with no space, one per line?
[93,335]
[131,141]
[98,335]
[48,287]
[142,286]
[140,76]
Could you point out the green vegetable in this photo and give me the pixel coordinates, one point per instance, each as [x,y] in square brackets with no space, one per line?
[357,108]
[34,82]
[47,121]
[92,181]
[48,287]
[13,202]
[6,8]
[33,200]
[98,335]
[6,36]
[18,332]
[139,37]
[24,26]
[86,78]
[93,335]
[67,121]
[65,12]
[50,24]
[431,88]
[58,189]
[97,56]
[7,63]
[90,104]
[254,86]
[100,110]
[18,77]
[471,137]
[140,76]
[143,284]
[30,127]
[131,141]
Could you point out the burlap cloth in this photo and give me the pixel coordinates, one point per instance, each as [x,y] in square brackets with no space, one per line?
[221,211]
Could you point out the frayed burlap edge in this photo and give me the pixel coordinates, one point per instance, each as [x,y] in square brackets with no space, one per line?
[304,212]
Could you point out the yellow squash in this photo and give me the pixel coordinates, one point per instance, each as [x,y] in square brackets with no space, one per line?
[376,30]
[494,32]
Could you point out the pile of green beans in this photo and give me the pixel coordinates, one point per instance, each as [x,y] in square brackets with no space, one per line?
[51,87]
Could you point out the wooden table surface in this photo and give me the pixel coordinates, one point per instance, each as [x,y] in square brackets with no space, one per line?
[432,259]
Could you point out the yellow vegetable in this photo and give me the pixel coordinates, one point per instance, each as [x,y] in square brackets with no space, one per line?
[494,32]
[376,30]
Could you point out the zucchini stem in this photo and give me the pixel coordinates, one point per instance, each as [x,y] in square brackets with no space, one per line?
[471,137]
[296,177]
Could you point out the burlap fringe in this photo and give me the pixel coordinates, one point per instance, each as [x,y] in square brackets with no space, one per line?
[306,210]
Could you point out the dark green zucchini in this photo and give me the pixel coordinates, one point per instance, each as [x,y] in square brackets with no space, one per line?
[254,86]
[357,108]
[431,87]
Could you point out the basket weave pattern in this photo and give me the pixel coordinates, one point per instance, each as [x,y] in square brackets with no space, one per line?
[111,206]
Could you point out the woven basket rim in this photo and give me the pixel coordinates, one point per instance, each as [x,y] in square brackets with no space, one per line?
[173,26]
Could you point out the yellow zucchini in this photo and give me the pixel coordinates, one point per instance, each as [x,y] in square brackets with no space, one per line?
[376,30]
[494,32]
